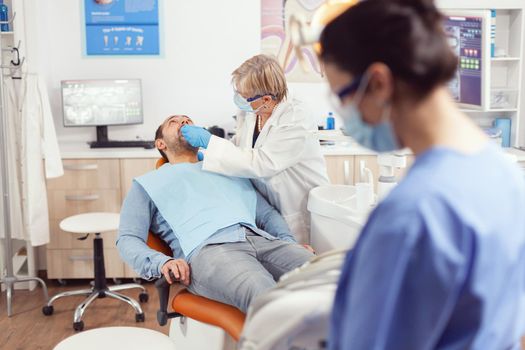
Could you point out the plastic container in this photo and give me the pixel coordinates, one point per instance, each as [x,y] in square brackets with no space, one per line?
[4,16]
[335,221]
[504,124]
[493,33]
[330,121]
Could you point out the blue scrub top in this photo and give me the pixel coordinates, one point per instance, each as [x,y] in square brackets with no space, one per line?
[441,262]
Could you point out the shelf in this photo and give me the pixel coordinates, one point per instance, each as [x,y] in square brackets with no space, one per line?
[506,89]
[505,59]
[7,33]
[493,110]
[496,110]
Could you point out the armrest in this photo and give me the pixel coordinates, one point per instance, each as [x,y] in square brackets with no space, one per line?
[163,288]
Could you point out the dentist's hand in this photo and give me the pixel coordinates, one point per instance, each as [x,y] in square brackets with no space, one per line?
[200,156]
[196,136]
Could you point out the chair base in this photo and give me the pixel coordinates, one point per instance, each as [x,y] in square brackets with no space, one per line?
[99,290]
[188,333]
[95,293]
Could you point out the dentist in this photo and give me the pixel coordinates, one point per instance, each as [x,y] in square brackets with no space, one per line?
[275,144]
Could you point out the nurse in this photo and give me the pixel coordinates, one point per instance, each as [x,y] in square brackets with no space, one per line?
[441,261]
[275,144]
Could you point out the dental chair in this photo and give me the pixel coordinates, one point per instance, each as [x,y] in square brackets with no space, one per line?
[198,322]
[294,314]
[194,315]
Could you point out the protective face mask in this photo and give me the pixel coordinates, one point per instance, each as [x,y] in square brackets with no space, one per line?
[242,104]
[379,138]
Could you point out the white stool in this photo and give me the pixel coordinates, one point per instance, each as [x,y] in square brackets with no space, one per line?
[111,338]
[96,223]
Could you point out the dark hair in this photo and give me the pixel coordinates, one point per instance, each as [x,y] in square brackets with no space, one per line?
[406,35]
[160,135]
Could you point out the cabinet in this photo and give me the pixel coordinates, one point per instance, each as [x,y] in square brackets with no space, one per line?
[502,69]
[129,169]
[340,169]
[344,169]
[88,185]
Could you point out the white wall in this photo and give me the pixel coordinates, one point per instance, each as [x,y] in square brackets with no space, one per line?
[203,41]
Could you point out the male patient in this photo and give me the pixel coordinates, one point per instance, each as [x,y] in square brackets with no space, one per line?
[236,244]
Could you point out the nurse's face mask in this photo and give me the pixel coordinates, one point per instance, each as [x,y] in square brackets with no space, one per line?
[380,137]
[244,104]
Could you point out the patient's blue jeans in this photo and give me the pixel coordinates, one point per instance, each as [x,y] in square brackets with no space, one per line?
[236,273]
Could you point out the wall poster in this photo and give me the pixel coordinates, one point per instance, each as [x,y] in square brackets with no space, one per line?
[275,38]
[122,27]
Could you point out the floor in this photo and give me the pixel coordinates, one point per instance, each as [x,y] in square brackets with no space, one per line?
[29,329]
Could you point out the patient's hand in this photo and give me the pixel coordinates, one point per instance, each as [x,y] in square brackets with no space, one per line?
[179,268]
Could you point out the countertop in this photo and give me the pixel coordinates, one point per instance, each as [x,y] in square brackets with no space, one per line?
[81,150]
[77,150]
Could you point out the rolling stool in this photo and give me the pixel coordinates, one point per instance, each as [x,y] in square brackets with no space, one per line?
[96,223]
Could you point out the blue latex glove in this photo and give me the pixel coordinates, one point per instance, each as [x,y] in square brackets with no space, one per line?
[200,156]
[196,136]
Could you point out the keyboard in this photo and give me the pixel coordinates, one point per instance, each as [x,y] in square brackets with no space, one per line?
[112,144]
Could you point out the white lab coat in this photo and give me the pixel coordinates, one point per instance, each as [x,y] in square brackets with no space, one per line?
[31,140]
[285,164]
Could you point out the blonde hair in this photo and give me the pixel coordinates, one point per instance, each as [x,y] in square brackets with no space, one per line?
[260,75]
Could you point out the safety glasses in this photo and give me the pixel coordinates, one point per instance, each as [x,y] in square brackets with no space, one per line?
[349,89]
[256,97]
[336,98]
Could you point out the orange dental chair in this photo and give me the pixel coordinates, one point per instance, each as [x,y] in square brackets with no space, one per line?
[186,304]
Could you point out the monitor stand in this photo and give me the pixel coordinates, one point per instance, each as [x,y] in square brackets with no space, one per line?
[102,137]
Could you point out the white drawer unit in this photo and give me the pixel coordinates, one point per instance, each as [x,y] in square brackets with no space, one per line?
[89,185]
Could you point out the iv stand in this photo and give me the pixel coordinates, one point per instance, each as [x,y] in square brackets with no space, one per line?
[9,279]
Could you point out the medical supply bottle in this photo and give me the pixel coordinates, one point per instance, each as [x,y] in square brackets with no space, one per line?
[492,33]
[330,121]
[4,16]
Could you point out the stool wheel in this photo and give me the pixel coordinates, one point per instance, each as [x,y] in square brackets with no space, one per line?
[78,326]
[140,317]
[48,310]
[143,297]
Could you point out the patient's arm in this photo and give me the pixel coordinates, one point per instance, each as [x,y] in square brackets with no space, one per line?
[135,220]
[270,220]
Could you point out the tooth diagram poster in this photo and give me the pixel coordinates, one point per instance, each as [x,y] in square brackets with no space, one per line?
[122,27]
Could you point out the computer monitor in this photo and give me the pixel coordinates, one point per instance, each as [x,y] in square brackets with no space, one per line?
[467,35]
[101,103]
